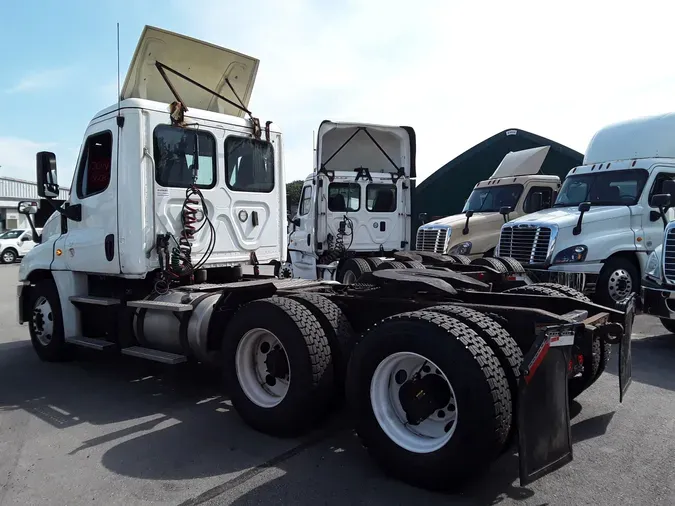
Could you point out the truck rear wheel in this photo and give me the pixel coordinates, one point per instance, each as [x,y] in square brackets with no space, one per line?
[374,262]
[512,265]
[338,330]
[491,262]
[391,264]
[460,259]
[45,323]
[414,265]
[352,270]
[277,366]
[430,399]
[565,290]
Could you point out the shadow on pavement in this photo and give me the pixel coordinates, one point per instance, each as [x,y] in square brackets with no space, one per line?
[177,425]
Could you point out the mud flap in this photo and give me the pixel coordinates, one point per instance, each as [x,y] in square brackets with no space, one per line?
[544,430]
[625,352]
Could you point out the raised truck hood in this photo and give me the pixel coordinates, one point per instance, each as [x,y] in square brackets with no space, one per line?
[211,66]
[521,163]
[379,148]
[565,217]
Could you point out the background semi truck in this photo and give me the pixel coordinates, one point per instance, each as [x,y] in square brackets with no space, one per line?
[175,192]
[355,208]
[516,184]
[599,233]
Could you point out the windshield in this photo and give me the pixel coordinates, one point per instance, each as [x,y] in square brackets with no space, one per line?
[491,199]
[614,188]
[11,234]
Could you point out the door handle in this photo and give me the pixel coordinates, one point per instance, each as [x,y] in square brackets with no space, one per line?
[309,238]
[254,218]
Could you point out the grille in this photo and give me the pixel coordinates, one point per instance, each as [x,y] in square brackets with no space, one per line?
[669,256]
[431,239]
[528,245]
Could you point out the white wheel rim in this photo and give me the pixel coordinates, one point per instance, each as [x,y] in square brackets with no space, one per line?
[43,321]
[433,432]
[8,256]
[259,371]
[620,285]
[349,278]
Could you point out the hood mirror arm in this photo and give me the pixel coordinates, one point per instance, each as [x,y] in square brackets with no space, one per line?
[505,211]
[469,214]
[583,208]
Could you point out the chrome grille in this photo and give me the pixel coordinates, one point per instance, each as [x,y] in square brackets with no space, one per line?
[669,256]
[431,239]
[528,244]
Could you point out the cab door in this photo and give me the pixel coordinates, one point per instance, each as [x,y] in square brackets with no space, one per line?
[385,225]
[91,244]
[651,223]
[301,235]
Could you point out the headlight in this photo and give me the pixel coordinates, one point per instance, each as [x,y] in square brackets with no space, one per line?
[654,266]
[572,254]
[463,248]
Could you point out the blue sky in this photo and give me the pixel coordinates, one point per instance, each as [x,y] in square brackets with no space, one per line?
[457,71]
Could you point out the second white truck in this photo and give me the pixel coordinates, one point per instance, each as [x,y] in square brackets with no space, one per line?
[601,229]
[515,188]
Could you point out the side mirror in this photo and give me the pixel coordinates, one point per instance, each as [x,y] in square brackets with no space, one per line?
[584,207]
[469,214]
[296,222]
[668,187]
[661,200]
[27,207]
[24,239]
[47,183]
[537,201]
[423,217]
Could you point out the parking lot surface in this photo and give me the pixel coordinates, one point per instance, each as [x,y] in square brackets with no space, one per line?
[119,431]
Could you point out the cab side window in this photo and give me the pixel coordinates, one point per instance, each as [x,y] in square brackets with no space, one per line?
[658,183]
[305,200]
[546,199]
[95,165]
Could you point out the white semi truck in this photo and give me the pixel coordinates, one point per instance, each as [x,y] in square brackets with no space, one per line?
[354,209]
[514,189]
[174,192]
[601,229]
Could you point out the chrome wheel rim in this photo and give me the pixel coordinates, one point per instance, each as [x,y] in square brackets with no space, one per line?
[8,257]
[43,321]
[620,285]
[435,430]
[263,369]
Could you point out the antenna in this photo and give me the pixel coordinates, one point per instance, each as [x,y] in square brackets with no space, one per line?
[119,93]
[313,150]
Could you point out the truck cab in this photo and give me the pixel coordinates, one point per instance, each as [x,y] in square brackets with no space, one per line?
[516,187]
[603,225]
[172,182]
[356,204]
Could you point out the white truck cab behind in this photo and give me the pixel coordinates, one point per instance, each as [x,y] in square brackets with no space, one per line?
[356,205]
[602,227]
[516,184]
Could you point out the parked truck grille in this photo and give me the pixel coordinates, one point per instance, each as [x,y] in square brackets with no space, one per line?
[528,244]
[431,239]
[669,256]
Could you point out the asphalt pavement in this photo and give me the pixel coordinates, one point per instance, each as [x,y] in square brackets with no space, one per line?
[121,431]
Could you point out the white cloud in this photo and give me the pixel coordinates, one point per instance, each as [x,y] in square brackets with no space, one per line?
[456,72]
[17,158]
[41,80]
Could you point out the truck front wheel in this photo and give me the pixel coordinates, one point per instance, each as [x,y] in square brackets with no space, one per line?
[617,280]
[45,323]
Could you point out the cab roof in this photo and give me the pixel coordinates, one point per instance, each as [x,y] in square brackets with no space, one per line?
[647,137]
